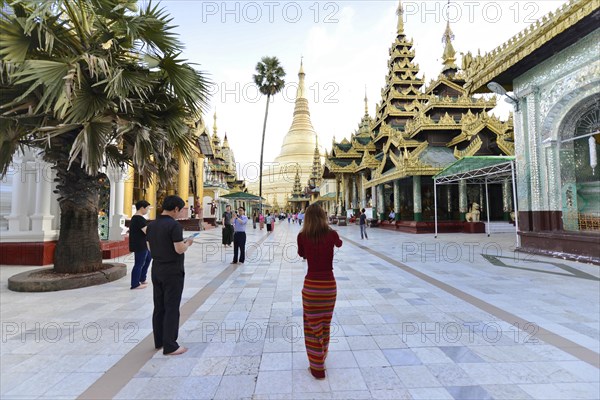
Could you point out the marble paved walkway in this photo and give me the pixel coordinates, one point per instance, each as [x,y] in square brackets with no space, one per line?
[458,317]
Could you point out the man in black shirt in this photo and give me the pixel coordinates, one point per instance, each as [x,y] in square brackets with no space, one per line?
[165,240]
[137,244]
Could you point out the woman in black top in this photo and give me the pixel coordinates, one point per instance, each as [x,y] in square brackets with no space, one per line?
[137,244]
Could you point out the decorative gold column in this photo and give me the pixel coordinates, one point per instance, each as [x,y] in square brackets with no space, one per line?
[183,179]
[150,196]
[128,195]
[200,180]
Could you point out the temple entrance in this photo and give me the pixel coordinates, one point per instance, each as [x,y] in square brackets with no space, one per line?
[580,177]
[496,203]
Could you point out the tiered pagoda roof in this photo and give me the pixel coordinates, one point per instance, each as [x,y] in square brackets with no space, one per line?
[297,192]
[356,154]
[448,124]
[420,133]
[221,168]
[316,175]
[402,90]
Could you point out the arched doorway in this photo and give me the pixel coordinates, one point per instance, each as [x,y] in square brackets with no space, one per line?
[580,175]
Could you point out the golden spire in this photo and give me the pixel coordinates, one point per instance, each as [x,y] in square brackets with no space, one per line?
[225,142]
[366,102]
[449,56]
[215,123]
[297,186]
[317,170]
[301,74]
[400,14]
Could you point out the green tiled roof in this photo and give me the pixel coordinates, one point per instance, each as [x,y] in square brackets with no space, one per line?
[344,147]
[341,162]
[440,157]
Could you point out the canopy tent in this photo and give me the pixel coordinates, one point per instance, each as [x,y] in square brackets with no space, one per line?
[479,170]
[242,196]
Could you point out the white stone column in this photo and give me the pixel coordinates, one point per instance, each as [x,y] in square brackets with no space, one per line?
[117,178]
[507,196]
[41,220]
[363,192]
[374,200]
[397,198]
[417,206]
[381,200]
[18,220]
[462,199]
[534,153]
[337,196]
[346,192]
[355,191]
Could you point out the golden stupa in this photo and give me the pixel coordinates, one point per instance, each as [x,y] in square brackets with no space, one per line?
[297,153]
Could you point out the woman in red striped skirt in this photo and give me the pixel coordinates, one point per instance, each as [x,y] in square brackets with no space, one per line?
[315,244]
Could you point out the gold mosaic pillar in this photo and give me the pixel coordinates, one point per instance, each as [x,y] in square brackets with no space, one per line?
[150,195]
[200,180]
[183,178]
[128,195]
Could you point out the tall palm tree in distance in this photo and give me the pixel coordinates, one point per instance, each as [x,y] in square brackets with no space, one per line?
[269,79]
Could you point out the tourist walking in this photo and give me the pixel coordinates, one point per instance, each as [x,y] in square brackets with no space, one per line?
[300,217]
[363,224]
[268,222]
[261,221]
[316,241]
[137,244]
[227,227]
[239,236]
[254,220]
[165,239]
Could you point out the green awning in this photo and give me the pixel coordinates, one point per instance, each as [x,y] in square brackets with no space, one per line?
[477,169]
[241,196]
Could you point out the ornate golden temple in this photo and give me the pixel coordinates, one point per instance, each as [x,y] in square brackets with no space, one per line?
[418,130]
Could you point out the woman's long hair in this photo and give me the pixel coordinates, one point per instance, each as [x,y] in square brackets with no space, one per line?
[315,223]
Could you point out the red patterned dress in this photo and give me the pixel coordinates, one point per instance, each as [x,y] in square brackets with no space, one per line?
[318,297]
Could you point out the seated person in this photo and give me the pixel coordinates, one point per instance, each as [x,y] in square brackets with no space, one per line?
[392,216]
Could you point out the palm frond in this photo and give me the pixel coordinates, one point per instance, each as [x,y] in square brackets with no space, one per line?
[90,144]
[186,83]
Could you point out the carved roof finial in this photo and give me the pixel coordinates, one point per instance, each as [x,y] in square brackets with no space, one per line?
[215,123]
[449,56]
[366,102]
[400,14]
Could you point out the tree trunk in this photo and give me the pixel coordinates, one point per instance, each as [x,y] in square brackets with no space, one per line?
[262,149]
[78,247]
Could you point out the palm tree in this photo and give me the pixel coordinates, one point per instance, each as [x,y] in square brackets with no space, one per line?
[93,83]
[269,79]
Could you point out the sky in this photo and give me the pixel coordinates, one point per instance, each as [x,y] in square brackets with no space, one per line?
[344,45]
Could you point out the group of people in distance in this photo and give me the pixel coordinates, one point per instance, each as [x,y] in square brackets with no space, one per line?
[162,242]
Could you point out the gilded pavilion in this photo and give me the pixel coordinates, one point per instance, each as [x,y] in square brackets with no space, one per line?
[417,131]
